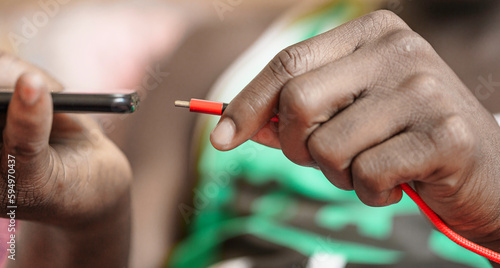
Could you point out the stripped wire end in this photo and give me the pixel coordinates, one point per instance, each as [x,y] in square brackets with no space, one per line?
[183,104]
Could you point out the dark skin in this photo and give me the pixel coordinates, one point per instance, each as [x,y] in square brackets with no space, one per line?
[107,239]
[372,105]
[72,183]
[468,31]
[85,227]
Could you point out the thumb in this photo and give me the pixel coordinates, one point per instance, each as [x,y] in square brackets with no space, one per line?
[255,105]
[29,119]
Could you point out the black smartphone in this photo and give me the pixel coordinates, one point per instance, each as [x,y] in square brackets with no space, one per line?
[85,103]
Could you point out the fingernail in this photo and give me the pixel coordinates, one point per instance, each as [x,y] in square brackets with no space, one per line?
[223,133]
[31,89]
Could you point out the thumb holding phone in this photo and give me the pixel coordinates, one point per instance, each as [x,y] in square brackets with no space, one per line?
[71,182]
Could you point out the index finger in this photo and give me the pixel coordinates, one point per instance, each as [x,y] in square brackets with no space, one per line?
[257,103]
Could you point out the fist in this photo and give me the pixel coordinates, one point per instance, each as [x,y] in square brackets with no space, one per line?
[372,105]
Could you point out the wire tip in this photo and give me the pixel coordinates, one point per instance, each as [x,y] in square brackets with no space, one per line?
[183,104]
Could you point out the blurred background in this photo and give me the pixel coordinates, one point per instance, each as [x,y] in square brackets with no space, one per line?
[166,50]
[171,50]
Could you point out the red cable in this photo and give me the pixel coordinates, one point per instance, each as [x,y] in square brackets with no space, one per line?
[206,107]
[441,226]
[217,108]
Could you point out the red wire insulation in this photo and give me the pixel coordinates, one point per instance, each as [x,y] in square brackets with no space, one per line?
[206,107]
[216,108]
[212,107]
[441,226]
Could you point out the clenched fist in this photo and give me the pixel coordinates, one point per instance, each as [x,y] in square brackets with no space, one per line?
[372,105]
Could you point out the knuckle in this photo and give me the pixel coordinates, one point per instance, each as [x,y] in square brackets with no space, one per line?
[365,170]
[379,22]
[405,42]
[325,150]
[425,80]
[291,62]
[384,15]
[295,100]
[456,131]
[425,86]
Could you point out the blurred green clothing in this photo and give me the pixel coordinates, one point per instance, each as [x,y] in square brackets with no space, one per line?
[252,207]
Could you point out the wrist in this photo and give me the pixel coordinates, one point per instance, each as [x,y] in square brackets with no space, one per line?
[102,242]
[492,242]
[106,239]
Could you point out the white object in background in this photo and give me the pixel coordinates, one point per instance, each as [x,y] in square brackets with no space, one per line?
[242,262]
[326,260]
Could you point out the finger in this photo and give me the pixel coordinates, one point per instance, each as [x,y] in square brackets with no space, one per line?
[11,68]
[29,119]
[426,153]
[361,126]
[370,120]
[258,102]
[312,99]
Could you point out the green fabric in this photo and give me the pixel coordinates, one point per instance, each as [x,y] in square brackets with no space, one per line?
[214,222]
[447,249]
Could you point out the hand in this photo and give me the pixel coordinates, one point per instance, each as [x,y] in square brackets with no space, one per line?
[372,105]
[68,175]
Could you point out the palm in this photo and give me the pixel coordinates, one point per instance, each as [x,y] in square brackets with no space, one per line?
[67,171]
